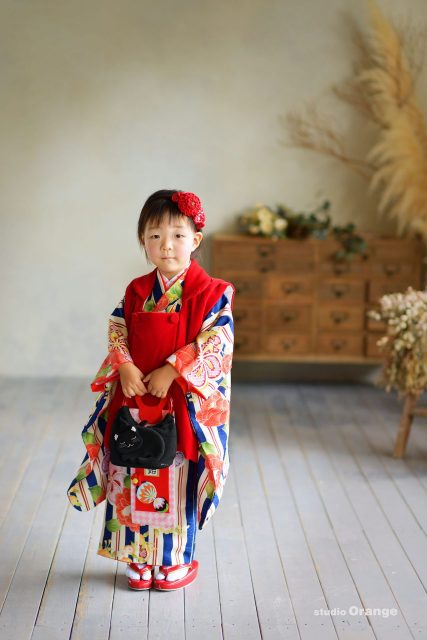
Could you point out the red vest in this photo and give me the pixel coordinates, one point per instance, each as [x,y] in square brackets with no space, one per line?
[154,336]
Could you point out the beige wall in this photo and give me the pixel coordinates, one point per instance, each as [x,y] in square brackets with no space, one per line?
[106,102]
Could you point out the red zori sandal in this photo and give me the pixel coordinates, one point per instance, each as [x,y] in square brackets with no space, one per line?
[172,585]
[139,584]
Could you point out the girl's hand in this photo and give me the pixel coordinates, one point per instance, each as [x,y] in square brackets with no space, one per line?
[160,380]
[131,380]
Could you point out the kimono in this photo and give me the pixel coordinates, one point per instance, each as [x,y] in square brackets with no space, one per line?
[200,338]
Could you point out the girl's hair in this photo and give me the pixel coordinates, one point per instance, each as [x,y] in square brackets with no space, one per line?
[155,208]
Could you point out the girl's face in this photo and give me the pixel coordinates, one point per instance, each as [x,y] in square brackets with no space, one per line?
[169,246]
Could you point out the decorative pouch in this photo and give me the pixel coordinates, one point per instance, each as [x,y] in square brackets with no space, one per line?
[142,445]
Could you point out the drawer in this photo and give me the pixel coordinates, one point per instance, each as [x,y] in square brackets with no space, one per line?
[246,316]
[296,256]
[246,256]
[379,288]
[335,343]
[350,291]
[247,285]
[386,249]
[246,342]
[297,343]
[327,265]
[394,269]
[296,289]
[372,351]
[286,316]
[343,318]
[343,269]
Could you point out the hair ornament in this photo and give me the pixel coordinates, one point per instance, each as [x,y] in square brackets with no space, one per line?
[189,204]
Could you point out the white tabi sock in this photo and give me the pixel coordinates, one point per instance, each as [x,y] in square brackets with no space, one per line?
[131,573]
[173,575]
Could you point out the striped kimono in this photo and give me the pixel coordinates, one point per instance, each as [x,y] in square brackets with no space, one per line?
[205,374]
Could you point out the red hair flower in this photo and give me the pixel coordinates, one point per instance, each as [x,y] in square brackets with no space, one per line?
[189,204]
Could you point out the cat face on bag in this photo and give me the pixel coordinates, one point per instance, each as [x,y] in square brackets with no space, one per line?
[129,441]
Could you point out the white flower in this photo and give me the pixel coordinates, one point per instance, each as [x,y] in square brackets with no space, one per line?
[265,215]
[266,226]
[280,224]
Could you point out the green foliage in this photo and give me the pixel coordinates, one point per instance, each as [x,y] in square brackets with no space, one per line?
[352,244]
[284,222]
[301,225]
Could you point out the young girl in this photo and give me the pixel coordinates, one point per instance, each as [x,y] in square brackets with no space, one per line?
[170,347]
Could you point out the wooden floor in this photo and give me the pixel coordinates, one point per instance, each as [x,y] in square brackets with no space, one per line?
[317,522]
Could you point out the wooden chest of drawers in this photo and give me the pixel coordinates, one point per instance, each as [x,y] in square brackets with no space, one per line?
[295,302]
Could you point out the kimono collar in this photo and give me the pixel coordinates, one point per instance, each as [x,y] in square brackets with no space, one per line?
[168,282]
[196,281]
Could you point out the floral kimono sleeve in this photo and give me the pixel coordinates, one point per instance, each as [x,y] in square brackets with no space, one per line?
[118,349]
[205,376]
[202,362]
[88,488]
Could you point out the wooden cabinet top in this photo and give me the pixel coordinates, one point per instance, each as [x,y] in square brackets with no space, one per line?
[368,237]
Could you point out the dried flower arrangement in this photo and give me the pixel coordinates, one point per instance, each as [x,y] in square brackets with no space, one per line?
[405,344]
[382,88]
[284,222]
[262,220]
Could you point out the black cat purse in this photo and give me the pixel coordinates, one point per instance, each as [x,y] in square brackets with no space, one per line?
[142,445]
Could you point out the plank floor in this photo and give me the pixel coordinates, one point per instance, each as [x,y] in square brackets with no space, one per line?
[318,525]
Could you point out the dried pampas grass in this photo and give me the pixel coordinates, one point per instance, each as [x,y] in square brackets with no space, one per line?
[382,88]
[400,155]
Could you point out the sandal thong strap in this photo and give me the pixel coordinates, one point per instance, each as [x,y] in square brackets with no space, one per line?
[175,567]
[172,585]
[140,570]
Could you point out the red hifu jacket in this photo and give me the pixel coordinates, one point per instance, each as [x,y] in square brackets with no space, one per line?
[154,336]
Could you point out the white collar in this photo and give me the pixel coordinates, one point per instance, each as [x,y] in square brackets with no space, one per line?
[170,280]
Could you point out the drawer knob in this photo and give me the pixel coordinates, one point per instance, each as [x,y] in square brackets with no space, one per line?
[288,344]
[263,267]
[289,288]
[339,290]
[288,316]
[266,251]
[391,269]
[337,345]
[340,267]
[339,316]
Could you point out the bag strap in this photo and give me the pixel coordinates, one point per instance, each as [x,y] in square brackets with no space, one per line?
[150,406]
